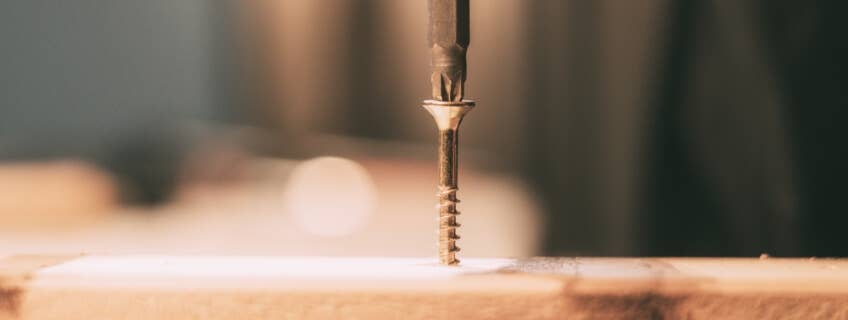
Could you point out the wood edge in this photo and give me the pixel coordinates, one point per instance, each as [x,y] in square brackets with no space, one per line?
[15,272]
[636,288]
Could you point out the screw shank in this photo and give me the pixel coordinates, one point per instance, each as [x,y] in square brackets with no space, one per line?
[448,158]
[447,196]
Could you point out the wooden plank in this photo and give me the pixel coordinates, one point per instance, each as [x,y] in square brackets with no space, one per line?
[170,287]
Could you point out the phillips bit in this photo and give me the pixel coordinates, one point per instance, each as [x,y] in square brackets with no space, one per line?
[448,37]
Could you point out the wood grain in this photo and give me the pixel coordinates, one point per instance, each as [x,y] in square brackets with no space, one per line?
[171,287]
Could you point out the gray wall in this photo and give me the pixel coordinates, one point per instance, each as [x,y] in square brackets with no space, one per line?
[81,73]
[112,81]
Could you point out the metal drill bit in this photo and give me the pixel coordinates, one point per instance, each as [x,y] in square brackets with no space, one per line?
[448,37]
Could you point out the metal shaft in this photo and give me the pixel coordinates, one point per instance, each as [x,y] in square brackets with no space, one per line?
[448,36]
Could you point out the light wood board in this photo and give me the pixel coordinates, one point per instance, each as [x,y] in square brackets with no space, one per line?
[195,287]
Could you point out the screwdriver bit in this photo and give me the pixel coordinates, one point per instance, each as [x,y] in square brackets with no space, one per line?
[448,35]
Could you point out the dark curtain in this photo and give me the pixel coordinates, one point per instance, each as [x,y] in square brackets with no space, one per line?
[740,150]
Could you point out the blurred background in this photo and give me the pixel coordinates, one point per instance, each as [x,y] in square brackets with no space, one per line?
[657,127]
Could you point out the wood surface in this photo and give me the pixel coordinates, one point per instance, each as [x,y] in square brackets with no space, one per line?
[197,287]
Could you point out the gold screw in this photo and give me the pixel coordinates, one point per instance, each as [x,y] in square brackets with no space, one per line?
[448,116]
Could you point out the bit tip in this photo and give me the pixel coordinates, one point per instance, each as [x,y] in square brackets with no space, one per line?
[448,36]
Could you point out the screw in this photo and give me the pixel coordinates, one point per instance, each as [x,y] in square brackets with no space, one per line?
[448,116]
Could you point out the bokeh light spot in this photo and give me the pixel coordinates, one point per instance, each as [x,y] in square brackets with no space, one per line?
[330,197]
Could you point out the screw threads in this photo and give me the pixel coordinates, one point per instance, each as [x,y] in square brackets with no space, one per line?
[448,225]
